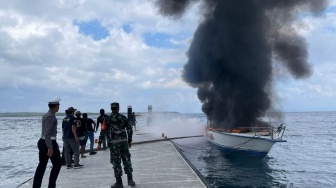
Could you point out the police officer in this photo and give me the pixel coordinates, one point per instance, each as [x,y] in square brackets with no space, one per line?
[48,147]
[120,140]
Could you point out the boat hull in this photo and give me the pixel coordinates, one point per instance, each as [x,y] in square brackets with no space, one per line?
[243,143]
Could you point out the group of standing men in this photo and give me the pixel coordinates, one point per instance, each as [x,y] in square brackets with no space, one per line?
[76,130]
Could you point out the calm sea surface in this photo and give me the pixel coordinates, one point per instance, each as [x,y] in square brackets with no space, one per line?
[306,160]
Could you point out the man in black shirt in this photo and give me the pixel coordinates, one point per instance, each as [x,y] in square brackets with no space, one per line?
[70,139]
[67,113]
[103,133]
[81,132]
[90,131]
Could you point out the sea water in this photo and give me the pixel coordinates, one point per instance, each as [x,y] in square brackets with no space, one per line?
[306,160]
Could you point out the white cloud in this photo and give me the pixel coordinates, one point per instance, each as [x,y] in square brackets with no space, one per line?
[43,55]
[42,50]
[316,92]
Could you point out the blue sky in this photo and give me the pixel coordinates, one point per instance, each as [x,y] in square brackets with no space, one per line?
[93,53]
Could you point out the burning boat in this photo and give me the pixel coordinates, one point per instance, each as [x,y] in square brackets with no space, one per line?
[253,141]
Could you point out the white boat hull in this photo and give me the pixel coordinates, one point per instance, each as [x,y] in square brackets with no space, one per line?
[247,143]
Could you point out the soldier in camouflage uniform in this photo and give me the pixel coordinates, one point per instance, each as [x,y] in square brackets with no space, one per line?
[120,140]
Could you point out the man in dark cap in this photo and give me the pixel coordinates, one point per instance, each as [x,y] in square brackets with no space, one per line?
[120,140]
[48,147]
[70,139]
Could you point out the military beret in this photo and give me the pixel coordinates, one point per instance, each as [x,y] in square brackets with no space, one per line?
[114,104]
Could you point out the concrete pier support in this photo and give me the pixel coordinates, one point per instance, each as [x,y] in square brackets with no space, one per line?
[129,112]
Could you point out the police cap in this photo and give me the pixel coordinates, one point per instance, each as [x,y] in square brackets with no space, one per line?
[54,101]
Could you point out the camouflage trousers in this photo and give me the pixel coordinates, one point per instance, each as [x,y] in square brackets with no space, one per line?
[120,152]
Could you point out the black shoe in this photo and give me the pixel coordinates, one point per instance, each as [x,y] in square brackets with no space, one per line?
[131,183]
[78,166]
[92,153]
[117,185]
[130,180]
[69,166]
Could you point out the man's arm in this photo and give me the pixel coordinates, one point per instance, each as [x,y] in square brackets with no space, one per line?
[97,123]
[73,128]
[84,126]
[49,122]
[94,127]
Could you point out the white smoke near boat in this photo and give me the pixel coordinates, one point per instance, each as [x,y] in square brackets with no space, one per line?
[176,125]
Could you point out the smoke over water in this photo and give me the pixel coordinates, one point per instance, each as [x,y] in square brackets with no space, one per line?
[233,52]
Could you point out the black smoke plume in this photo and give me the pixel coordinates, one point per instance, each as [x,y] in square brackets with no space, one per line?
[234,50]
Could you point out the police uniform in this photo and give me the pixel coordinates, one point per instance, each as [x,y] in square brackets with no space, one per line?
[120,137]
[48,141]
